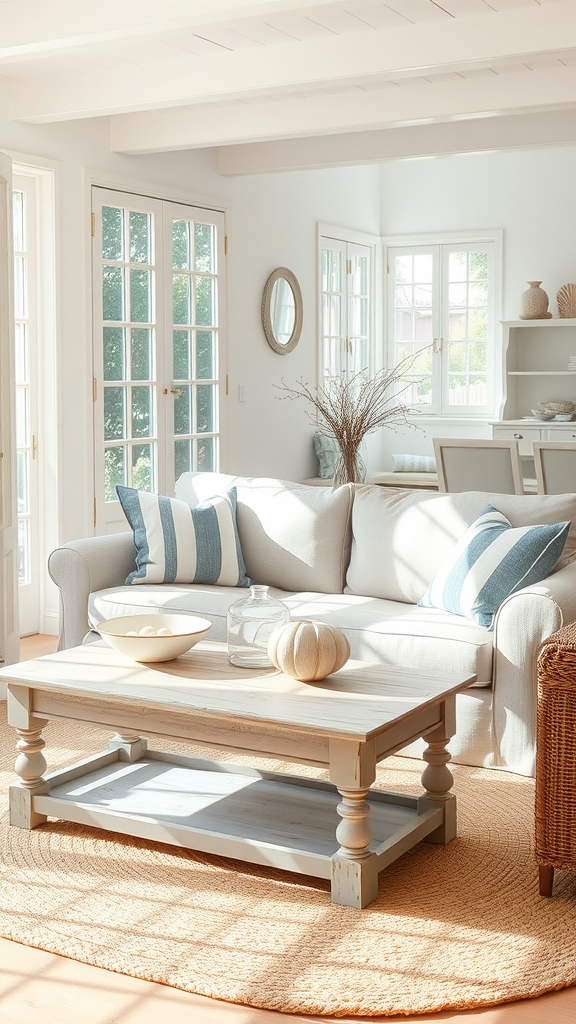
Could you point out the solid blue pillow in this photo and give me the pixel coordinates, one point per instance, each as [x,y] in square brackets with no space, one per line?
[491,561]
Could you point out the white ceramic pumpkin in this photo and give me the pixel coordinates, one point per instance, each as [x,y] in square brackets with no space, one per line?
[308,650]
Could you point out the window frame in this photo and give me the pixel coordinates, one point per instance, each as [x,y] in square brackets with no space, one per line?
[440,409]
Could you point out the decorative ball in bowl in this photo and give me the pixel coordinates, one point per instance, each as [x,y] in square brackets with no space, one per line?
[153,637]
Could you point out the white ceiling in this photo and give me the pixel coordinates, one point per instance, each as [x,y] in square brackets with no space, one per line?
[291,83]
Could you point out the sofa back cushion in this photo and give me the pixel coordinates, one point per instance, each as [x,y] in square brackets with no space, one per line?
[400,538]
[292,536]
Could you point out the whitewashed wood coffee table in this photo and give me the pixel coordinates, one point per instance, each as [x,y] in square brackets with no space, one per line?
[346,723]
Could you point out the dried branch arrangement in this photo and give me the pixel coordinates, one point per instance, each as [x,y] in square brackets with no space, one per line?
[350,408]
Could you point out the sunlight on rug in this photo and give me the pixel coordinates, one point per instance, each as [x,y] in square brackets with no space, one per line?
[454,927]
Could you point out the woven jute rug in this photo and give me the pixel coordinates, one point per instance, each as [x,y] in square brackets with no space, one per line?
[457,926]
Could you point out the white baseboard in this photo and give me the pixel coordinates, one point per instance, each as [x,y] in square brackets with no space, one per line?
[50,624]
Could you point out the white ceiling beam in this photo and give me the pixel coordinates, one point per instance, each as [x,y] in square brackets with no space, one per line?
[357,109]
[41,28]
[311,63]
[517,131]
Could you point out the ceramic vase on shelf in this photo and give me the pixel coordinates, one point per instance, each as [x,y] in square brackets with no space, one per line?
[251,622]
[534,303]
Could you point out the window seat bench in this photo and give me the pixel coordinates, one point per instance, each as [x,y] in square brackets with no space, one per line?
[423,481]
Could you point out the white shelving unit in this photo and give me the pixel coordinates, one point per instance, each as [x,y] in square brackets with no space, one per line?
[535,370]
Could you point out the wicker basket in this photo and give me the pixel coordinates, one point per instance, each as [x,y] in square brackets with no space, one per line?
[555,839]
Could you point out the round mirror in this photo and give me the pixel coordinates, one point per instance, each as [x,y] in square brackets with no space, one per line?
[282,310]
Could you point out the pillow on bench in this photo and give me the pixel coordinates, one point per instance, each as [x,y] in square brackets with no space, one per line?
[414,463]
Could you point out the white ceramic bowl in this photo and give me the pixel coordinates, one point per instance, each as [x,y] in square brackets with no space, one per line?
[185,632]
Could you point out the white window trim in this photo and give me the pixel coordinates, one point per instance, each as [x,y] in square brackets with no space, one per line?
[342,234]
[495,235]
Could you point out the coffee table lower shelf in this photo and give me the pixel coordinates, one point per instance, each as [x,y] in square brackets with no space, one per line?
[265,818]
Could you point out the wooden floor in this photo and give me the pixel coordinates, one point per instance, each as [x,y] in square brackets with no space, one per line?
[35,985]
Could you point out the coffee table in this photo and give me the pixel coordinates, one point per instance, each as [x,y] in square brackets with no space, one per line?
[343,830]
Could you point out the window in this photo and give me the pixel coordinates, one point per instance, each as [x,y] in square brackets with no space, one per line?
[157,374]
[346,313]
[441,311]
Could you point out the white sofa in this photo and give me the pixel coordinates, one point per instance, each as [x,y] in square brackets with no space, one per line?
[360,557]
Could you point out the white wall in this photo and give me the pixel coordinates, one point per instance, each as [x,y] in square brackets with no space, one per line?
[530,194]
[271,222]
[274,221]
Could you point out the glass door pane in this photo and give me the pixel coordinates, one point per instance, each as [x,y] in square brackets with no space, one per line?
[128,343]
[469,325]
[195,341]
[128,375]
[333,308]
[359,263]
[414,318]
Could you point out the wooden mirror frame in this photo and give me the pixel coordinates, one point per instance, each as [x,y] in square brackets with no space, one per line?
[282,272]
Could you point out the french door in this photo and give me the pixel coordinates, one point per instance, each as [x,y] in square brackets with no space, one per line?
[158,346]
[346,313]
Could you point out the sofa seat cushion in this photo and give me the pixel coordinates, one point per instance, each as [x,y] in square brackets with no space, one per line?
[193,599]
[392,632]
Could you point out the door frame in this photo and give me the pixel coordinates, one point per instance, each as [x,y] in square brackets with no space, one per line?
[156,194]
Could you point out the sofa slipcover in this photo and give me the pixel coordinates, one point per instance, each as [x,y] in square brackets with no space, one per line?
[360,557]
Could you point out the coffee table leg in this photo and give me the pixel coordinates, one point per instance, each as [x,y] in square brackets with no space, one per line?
[354,866]
[438,780]
[30,763]
[129,745]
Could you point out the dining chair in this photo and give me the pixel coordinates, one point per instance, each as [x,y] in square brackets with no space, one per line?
[478,465]
[555,465]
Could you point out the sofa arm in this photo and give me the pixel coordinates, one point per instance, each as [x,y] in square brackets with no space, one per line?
[79,568]
[523,621]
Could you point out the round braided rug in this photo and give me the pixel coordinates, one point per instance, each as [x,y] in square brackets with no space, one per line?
[453,927]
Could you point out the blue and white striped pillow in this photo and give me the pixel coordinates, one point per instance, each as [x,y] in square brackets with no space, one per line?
[178,543]
[491,561]
[414,463]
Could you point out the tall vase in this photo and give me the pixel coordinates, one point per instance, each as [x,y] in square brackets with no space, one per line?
[534,303]
[350,468]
